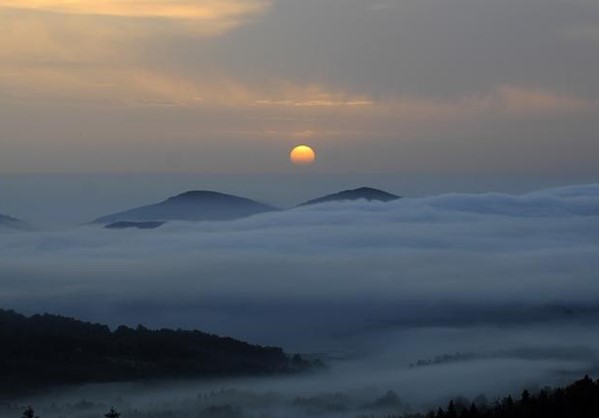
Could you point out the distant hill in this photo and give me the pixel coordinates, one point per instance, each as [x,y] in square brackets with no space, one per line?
[44,350]
[192,206]
[367,193]
[12,223]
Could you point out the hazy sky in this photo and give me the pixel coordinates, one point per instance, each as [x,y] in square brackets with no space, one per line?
[456,87]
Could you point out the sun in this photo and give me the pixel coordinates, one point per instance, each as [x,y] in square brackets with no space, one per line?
[302,155]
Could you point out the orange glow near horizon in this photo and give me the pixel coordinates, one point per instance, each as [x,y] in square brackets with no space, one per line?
[302,155]
[207,10]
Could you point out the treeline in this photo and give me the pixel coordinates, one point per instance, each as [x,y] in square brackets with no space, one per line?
[46,350]
[444,359]
[30,413]
[579,400]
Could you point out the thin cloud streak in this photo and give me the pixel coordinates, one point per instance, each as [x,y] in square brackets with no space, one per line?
[202,10]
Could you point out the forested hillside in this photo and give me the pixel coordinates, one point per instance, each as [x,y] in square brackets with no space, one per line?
[579,400]
[46,349]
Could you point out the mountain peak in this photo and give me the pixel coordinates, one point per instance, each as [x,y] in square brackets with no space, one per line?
[368,193]
[194,205]
[200,194]
[366,189]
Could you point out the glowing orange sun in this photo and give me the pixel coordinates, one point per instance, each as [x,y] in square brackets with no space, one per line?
[302,155]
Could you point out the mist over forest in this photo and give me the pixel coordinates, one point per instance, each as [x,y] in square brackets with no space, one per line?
[430,298]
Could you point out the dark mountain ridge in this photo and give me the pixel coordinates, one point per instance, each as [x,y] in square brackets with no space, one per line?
[199,205]
[367,193]
[203,205]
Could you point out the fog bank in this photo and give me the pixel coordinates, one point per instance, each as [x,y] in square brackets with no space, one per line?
[480,293]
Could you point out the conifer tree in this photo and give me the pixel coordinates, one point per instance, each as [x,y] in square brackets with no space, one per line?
[29,413]
[111,414]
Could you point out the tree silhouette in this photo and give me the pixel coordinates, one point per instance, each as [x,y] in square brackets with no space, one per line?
[451,411]
[29,413]
[112,413]
[579,400]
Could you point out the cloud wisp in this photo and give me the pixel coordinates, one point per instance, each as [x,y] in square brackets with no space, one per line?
[202,10]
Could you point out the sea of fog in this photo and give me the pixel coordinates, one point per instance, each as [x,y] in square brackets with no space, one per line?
[430,298]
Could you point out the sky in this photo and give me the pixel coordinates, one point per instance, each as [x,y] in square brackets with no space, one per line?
[227,87]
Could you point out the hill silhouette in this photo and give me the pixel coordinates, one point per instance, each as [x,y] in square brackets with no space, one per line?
[367,193]
[192,206]
[44,350]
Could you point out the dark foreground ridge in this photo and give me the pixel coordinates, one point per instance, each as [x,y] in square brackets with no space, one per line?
[366,193]
[44,350]
[192,206]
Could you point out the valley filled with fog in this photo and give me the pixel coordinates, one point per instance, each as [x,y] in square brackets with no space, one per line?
[429,298]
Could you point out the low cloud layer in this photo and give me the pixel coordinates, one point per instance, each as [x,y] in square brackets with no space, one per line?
[462,286]
[463,258]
